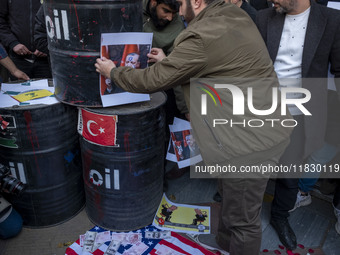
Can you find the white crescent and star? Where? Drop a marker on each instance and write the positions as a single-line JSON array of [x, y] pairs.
[[88, 127], [101, 130]]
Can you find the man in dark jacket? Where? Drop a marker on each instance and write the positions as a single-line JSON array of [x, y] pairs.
[[40, 33], [303, 40], [161, 18], [244, 5], [221, 40], [10, 66], [17, 19]]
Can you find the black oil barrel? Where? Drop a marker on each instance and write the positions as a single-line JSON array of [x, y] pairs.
[[40, 145], [124, 183], [74, 31]]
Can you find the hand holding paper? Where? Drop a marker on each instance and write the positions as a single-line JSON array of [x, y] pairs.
[[156, 55], [104, 66]]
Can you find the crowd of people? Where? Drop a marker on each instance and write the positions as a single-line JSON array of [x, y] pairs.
[[288, 43]]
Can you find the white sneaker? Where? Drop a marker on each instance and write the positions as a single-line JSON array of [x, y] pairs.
[[337, 224], [302, 200]]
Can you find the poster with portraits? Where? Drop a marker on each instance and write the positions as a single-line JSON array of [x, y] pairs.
[[185, 218], [182, 148], [124, 49]]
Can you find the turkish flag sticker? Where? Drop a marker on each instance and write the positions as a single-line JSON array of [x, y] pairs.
[[98, 128]]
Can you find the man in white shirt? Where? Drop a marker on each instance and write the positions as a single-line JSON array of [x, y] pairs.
[[302, 38]]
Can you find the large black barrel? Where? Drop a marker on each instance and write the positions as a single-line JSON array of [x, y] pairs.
[[124, 184], [40, 145], [74, 33]]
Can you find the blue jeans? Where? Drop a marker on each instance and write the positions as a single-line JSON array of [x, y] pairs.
[[321, 157]]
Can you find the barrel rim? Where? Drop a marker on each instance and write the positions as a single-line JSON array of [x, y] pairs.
[[114, 110], [32, 106]]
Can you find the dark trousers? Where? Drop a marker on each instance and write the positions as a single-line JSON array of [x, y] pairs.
[[171, 111], [40, 68], [286, 189], [336, 198], [239, 230]]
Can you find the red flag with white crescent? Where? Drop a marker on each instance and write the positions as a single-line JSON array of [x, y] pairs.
[[98, 128]]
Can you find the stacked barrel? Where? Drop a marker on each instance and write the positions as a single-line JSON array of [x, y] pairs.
[[122, 147], [119, 169], [41, 149]]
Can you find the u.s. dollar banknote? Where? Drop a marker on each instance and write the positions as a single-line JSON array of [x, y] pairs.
[[157, 235]]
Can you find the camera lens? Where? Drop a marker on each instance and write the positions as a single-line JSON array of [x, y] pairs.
[[12, 185]]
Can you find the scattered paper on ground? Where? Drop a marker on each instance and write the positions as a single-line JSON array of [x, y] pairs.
[[182, 218]]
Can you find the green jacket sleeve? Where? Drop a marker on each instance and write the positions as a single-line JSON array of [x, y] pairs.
[[180, 100], [186, 60]]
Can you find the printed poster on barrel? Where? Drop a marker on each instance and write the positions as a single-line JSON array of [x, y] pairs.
[[124, 49]]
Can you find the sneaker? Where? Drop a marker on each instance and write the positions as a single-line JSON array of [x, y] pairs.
[[337, 224], [337, 227], [208, 241], [302, 200]]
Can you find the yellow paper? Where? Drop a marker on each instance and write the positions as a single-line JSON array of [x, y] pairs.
[[34, 94], [194, 219]]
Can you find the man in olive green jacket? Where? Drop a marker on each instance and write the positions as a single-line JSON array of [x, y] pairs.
[[161, 18], [221, 41]]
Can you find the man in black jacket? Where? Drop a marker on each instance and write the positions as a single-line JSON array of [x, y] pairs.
[[303, 40], [40, 33], [17, 19]]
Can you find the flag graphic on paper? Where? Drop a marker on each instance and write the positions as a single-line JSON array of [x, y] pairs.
[[175, 244], [3, 124], [98, 128], [8, 131], [32, 94]]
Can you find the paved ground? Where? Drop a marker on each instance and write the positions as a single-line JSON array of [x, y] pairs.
[[314, 224]]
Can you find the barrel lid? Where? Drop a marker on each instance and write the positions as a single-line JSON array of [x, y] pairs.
[[27, 107], [156, 100], [38, 104]]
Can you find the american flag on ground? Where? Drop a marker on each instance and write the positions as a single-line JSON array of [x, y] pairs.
[[176, 245]]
